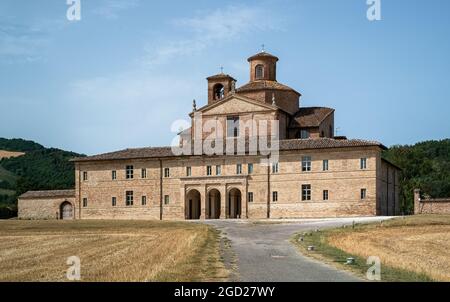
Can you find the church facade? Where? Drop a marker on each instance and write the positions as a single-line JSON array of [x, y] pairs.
[[314, 172]]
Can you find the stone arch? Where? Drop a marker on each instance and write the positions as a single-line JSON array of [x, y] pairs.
[[193, 205], [218, 92], [234, 204], [66, 211], [213, 204]]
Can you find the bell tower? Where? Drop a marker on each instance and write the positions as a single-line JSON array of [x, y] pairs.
[[219, 87], [263, 67]]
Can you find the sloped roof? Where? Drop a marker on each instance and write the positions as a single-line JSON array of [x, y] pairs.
[[220, 76], [285, 145], [265, 84], [263, 54], [310, 116], [48, 194]]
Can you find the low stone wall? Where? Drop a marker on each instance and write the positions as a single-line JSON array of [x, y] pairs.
[[430, 206]]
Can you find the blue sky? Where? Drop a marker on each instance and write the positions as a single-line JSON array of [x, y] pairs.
[[127, 70]]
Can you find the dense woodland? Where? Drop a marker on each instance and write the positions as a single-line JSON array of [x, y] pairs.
[[425, 166]]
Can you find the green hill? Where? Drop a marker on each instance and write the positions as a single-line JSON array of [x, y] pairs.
[[39, 169], [426, 166]]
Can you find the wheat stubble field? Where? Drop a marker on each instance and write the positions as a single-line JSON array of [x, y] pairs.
[[110, 251], [420, 244]]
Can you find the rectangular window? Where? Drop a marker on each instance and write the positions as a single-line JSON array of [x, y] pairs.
[[306, 192], [306, 163], [188, 171], [325, 194], [209, 170], [304, 134], [114, 175], [85, 176], [129, 198], [166, 199], [129, 172], [274, 168], [144, 200], [144, 173], [166, 172], [363, 163], [250, 168], [218, 170], [238, 169], [325, 165], [275, 196], [114, 201], [85, 202], [232, 126], [250, 196], [363, 193]]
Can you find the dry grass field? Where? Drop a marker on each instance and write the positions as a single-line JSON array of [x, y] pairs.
[[110, 251], [9, 154], [410, 248]]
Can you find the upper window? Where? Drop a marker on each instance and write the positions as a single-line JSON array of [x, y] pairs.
[[144, 200], [304, 134], [188, 171], [129, 172], [259, 72], [250, 196], [250, 168], [363, 193], [85, 176], [85, 202], [166, 172], [209, 170], [325, 165], [363, 163], [275, 196], [114, 175], [166, 199], [219, 91], [114, 201], [238, 169], [144, 173], [218, 170], [275, 168], [233, 126], [306, 163]]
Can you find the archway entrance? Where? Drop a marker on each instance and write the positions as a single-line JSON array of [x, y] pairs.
[[234, 204], [66, 211], [213, 205], [193, 205]]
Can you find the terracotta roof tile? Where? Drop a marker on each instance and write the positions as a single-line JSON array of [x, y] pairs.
[[310, 116], [48, 194], [264, 84], [263, 54], [285, 145]]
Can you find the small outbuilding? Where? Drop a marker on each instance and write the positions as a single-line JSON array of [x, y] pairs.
[[38, 205]]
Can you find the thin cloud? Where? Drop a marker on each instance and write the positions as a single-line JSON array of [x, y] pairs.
[[212, 28]]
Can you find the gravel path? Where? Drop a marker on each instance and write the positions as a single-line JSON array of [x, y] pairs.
[[263, 252]]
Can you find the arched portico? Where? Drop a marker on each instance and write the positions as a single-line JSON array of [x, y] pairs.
[[234, 204], [213, 204], [193, 205]]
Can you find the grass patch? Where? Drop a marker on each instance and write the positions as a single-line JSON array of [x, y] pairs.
[[402, 243], [110, 251]]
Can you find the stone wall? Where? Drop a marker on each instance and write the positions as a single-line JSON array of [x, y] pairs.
[[430, 205], [48, 208]]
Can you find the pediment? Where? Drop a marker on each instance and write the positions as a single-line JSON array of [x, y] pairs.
[[236, 105]]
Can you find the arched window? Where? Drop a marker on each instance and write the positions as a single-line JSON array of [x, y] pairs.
[[219, 92], [259, 71]]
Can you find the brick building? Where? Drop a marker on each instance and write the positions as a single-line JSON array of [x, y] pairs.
[[315, 174]]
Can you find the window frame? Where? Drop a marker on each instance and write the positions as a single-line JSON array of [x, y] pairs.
[[250, 168], [218, 170], [114, 201], [143, 173], [363, 163], [250, 196], [274, 196], [325, 195], [113, 175], [144, 200], [208, 170], [189, 171], [129, 198], [363, 194], [166, 199], [166, 172], [129, 172], [238, 169], [325, 165], [306, 192], [275, 168], [85, 202], [259, 72], [306, 163], [85, 176]]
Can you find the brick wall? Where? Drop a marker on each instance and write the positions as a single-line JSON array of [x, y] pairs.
[[430, 206]]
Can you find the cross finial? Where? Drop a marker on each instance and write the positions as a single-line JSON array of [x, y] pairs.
[[194, 105], [263, 48], [221, 69]]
